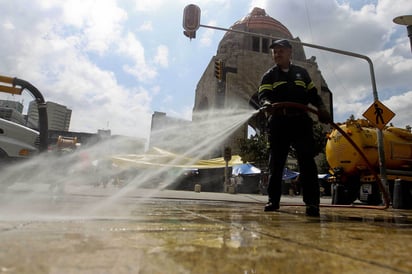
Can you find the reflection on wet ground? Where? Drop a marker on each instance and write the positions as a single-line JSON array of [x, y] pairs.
[[195, 235]]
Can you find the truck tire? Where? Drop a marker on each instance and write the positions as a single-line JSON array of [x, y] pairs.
[[343, 195], [374, 198]]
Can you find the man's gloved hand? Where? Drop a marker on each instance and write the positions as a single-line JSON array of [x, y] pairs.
[[324, 116], [266, 108], [266, 105]]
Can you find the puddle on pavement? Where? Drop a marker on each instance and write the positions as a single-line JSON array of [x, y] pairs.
[[386, 221]]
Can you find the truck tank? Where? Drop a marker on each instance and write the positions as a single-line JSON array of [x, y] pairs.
[[341, 154], [352, 177]]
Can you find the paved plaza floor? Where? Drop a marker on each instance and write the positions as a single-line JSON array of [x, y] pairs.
[[96, 230]]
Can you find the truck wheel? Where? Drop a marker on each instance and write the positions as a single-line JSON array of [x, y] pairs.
[[342, 195], [374, 198]]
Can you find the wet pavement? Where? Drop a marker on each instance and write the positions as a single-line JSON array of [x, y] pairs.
[[96, 230]]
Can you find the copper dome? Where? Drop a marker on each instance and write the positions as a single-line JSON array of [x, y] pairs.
[[258, 20]]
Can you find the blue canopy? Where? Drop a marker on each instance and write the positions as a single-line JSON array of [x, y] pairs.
[[245, 169], [289, 174], [323, 176], [248, 169]]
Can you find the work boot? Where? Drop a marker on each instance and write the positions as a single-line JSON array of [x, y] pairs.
[[312, 211], [271, 207]]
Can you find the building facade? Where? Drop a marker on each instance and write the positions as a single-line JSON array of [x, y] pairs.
[[12, 111], [58, 116]]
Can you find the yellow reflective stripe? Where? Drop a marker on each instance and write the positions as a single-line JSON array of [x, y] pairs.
[[265, 86], [300, 83], [276, 84], [311, 85]]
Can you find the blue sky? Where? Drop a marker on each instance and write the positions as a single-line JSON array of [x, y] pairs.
[[116, 62]]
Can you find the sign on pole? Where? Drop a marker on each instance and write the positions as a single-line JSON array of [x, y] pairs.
[[378, 114]]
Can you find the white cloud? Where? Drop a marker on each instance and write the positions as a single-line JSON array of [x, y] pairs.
[[401, 106], [8, 25], [99, 21], [48, 51], [155, 90], [132, 48], [148, 5], [208, 35], [162, 56], [146, 26]]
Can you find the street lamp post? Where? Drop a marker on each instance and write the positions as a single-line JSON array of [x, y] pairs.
[[405, 20]]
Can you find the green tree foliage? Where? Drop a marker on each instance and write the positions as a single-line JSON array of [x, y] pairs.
[[320, 143], [255, 150], [319, 135]]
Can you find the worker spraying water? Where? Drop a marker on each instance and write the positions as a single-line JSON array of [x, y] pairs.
[[289, 126], [284, 93]]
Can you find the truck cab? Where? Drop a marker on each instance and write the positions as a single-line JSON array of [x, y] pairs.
[[17, 142]]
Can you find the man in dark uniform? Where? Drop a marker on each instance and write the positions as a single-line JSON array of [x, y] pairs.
[[288, 126]]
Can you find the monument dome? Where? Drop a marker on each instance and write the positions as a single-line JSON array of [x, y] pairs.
[[259, 20], [258, 25]]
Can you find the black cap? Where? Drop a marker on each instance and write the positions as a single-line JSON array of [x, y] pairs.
[[281, 43]]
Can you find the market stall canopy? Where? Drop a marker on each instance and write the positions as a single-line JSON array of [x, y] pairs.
[[323, 176], [289, 174], [157, 157], [245, 169]]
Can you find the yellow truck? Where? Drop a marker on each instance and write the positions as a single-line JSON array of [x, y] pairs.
[[352, 175]]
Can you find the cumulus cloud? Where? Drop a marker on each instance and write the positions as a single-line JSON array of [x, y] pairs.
[[133, 49], [148, 5], [162, 56], [99, 23], [401, 105], [146, 26], [48, 45], [207, 35]]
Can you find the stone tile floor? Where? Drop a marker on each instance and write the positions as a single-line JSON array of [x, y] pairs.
[[105, 231]]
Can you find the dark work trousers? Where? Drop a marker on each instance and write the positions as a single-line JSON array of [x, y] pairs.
[[296, 131]]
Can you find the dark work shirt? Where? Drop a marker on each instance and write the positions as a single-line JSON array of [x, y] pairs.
[[294, 85]]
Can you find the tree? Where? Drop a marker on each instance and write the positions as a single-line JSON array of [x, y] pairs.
[[255, 150], [319, 135]]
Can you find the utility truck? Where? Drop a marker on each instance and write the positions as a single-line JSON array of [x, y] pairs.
[[353, 169], [18, 141]]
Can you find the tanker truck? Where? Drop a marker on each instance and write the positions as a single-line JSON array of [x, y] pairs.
[[353, 177]]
